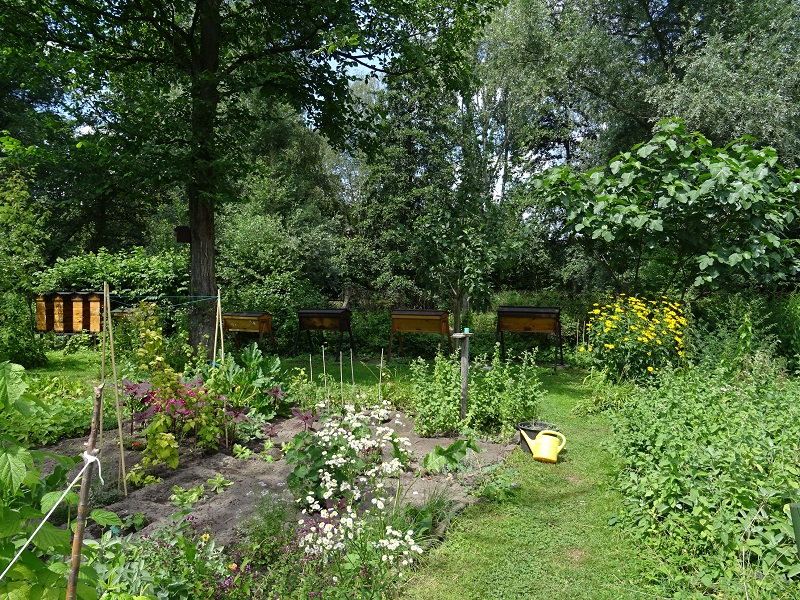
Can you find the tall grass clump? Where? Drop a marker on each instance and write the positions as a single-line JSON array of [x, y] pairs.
[[710, 464]]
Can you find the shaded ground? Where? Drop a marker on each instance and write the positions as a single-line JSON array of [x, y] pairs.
[[254, 477]]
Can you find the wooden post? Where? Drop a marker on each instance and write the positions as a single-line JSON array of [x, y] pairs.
[[464, 337], [83, 498]]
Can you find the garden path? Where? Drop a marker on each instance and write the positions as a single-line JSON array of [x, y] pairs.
[[553, 539]]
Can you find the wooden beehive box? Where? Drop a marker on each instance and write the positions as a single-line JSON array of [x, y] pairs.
[[69, 312]]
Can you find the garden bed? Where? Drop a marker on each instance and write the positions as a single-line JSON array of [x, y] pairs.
[[254, 477]]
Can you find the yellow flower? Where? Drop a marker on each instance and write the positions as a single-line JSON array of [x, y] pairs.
[[650, 369], [233, 566], [609, 346], [205, 537]]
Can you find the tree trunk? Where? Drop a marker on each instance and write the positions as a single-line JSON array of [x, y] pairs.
[[201, 189]]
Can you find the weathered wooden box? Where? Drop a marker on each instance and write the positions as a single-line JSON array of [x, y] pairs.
[[69, 312]]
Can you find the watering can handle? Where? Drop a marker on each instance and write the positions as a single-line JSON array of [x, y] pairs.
[[558, 434]]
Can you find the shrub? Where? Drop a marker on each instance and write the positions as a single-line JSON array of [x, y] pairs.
[[710, 464], [632, 337], [499, 397], [131, 272], [18, 341]]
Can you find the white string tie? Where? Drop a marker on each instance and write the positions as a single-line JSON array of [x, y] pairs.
[[91, 458], [87, 460]]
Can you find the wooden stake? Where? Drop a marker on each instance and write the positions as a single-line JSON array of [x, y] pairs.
[[310, 369], [83, 498], [109, 330], [221, 332], [325, 377], [380, 379], [352, 373], [464, 337], [341, 378]]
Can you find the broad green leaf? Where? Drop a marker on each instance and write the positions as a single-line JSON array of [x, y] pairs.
[[647, 150], [49, 499], [11, 522], [105, 518], [14, 461], [50, 536], [11, 385]]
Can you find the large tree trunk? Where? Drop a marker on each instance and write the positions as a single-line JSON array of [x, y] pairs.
[[201, 189]]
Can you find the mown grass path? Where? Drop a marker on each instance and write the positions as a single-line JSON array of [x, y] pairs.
[[553, 539]]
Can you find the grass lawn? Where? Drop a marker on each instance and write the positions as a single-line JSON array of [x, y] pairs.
[[82, 365], [552, 540]]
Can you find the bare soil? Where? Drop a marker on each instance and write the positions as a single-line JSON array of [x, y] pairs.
[[254, 477]]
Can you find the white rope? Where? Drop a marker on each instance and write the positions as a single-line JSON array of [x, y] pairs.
[[88, 460]]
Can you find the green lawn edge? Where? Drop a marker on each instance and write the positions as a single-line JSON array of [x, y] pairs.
[[553, 539]]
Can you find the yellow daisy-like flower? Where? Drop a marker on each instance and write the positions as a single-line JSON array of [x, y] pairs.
[[233, 566], [205, 537], [650, 369]]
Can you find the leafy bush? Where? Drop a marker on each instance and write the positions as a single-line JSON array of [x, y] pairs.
[[710, 464], [631, 337], [64, 410], [131, 273], [499, 397], [437, 395], [18, 341]]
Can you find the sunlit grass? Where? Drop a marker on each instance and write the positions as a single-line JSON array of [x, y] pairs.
[[83, 365], [553, 539]]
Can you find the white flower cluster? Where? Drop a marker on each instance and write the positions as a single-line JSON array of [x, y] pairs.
[[328, 535], [397, 547], [354, 456]]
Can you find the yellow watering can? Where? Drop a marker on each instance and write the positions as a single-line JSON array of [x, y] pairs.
[[546, 446]]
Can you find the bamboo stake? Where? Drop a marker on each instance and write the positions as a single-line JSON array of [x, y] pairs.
[[216, 335], [221, 331], [341, 377], [109, 330], [325, 377], [310, 368], [380, 380], [83, 498], [352, 373]]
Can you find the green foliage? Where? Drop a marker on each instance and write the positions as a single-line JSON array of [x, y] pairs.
[[344, 459], [187, 498], [497, 484], [265, 265], [241, 452], [703, 213], [250, 381], [18, 341], [133, 272], [218, 483], [22, 238], [710, 466], [26, 494], [63, 410], [437, 395], [440, 459], [499, 396], [784, 315], [184, 562], [634, 337]]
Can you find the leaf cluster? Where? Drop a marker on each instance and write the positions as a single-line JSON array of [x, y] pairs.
[[709, 469]]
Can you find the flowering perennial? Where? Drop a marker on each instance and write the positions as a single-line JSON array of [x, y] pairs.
[[339, 479], [631, 337]]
